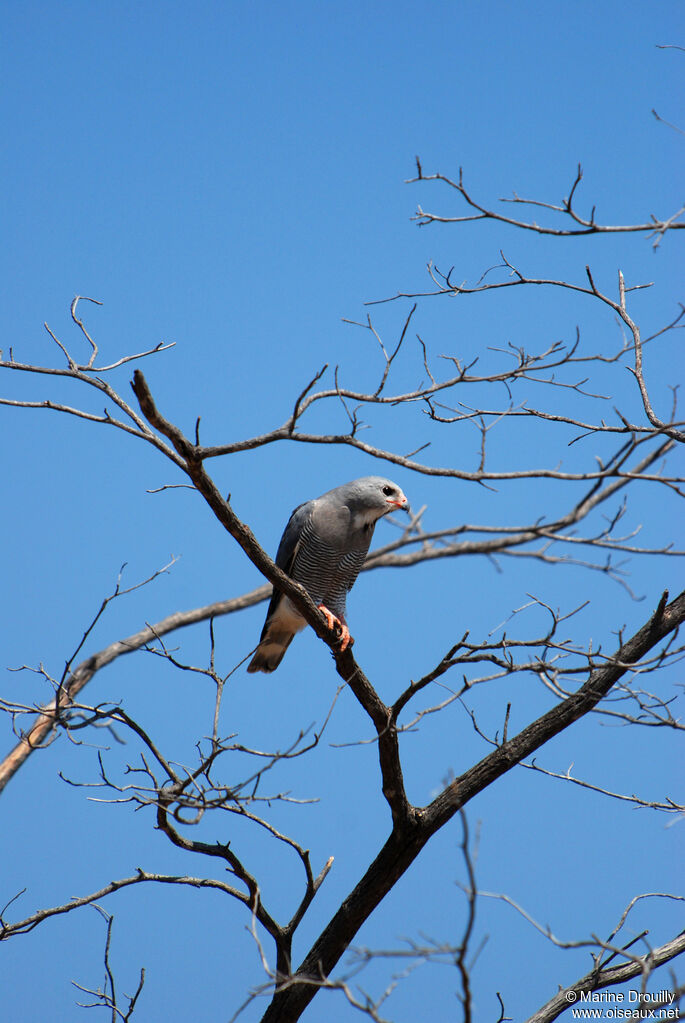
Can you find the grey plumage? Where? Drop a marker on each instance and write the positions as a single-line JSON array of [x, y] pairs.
[[323, 547]]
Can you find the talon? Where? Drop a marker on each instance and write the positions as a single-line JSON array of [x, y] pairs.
[[336, 625], [331, 620], [345, 638]]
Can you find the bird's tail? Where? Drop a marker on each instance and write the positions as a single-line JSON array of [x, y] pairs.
[[270, 651]]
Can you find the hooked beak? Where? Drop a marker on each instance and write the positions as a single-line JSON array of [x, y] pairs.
[[402, 504]]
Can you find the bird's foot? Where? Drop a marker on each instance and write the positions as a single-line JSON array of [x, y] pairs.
[[336, 625]]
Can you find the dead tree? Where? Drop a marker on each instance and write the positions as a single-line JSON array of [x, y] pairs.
[[613, 450]]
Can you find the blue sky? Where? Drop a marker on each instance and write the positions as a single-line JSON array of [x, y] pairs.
[[231, 177]]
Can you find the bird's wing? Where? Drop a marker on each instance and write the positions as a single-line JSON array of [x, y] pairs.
[[292, 536], [287, 550]]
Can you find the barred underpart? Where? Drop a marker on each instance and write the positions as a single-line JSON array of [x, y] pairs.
[[327, 571]]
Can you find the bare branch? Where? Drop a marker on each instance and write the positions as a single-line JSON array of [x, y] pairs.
[[73, 682], [8, 930], [583, 225], [107, 997], [609, 976], [669, 806]]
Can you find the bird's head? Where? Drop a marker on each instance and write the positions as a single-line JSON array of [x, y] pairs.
[[371, 497]]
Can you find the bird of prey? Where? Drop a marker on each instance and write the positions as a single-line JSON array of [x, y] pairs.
[[323, 548]]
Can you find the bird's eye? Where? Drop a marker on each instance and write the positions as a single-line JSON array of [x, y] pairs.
[[388, 491]]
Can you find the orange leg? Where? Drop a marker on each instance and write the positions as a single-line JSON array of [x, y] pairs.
[[334, 623]]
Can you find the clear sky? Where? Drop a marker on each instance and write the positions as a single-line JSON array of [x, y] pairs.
[[231, 177]]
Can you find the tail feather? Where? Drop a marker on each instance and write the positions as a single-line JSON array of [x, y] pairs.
[[271, 650]]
